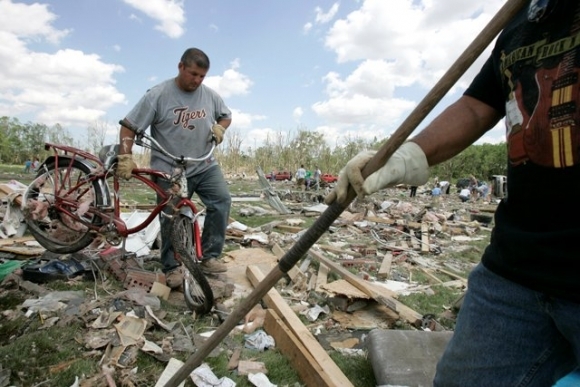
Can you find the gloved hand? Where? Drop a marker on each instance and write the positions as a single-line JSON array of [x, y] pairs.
[[408, 165], [125, 165], [218, 132]]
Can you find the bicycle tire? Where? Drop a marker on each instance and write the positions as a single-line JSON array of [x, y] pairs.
[[55, 231], [197, 290]]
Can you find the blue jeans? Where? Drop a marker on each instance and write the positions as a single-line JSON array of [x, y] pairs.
[[509, 335], [212, 189]]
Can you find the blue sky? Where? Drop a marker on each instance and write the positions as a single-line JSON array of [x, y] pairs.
[[347, 69]]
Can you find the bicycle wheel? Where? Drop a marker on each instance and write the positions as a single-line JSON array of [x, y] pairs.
[[65, 186], [196, 289]]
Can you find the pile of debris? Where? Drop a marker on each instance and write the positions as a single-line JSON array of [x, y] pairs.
[[370, 248]]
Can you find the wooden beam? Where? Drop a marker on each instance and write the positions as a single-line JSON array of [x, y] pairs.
[[385, 269], [425, 238], [328, 369], [310, 372], [322, 276]]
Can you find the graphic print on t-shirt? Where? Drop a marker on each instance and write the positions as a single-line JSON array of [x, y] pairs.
[[184, 115], [542, 111]]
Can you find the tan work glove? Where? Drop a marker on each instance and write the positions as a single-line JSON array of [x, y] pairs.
[[218, 132], [125, 166], [408, 165]]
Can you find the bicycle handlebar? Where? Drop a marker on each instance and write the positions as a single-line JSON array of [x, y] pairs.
[[141, 134]]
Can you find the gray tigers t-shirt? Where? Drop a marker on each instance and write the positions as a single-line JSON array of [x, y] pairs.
[[180, 121]]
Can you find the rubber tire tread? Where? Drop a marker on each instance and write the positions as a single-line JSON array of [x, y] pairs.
[[81, 243], [187, 259]]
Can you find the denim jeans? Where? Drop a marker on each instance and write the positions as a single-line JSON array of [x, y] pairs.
[[213, 192], [509, 335]]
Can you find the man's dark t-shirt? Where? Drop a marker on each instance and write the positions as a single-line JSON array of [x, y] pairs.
[[532, 77]]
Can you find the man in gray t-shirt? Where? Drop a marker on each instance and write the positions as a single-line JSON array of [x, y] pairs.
[[183, 114]]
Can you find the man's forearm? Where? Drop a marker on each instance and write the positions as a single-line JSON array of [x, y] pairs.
[[126, 139], [225, 122], [457, 127]]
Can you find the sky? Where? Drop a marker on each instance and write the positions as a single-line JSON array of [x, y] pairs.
[[347, 69]]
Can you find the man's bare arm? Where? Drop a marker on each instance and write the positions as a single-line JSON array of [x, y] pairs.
[[126, 139], [457, 127]]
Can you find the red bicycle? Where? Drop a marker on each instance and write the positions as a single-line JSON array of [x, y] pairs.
[[70, 203]]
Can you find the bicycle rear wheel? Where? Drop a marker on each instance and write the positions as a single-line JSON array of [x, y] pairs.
[[197, 291], [63, 186]]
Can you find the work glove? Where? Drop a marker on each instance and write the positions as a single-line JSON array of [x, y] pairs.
[[218, 132], [125, 165], [408, 165]]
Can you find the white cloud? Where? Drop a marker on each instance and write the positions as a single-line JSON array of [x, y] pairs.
[[67, 87], [169, 14], [396, 46], [231, 82], [29, 22], [322, 17], [297, 114]]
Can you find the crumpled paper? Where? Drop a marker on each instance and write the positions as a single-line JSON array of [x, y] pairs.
[[259, 340], [203, 376], [260, 380]]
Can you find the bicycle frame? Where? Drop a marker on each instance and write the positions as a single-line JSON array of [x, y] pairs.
[[109, 212]]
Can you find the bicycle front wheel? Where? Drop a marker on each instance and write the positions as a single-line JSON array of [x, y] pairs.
[[58, 188], [196, 289]]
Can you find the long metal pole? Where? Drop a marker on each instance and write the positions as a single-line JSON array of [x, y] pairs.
[[301, 247]]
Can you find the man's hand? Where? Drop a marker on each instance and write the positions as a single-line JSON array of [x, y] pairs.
[[125, 166], [408, 165], [218, 132]]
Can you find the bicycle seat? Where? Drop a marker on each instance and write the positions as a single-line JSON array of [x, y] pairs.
[[108, 155]]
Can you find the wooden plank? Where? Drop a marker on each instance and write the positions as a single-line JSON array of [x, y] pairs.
[[312, 282], [425, 238], [430, 275], [376, 219], [273, 299], [340, 251], [11, 241], [235, 359], [453, 275], [310, 372], [379, 293], [8, 190], [285, 227], [385, 268], [322, 276]]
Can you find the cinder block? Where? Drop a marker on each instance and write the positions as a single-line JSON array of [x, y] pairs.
[[404, 357]]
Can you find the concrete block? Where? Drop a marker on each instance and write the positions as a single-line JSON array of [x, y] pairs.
[[404, 357]]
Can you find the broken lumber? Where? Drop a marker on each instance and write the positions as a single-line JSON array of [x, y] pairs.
[[290, 346], [385, 269], [379, 293], [328, 370]]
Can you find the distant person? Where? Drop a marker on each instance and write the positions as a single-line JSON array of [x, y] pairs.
[[35, 164], [183, 115], [483, 191], [436, 191], [436, 194], [413, 191], [317, 174], [308, 179], [300, 177], [27, 165], [445, 187], [465, 194]]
